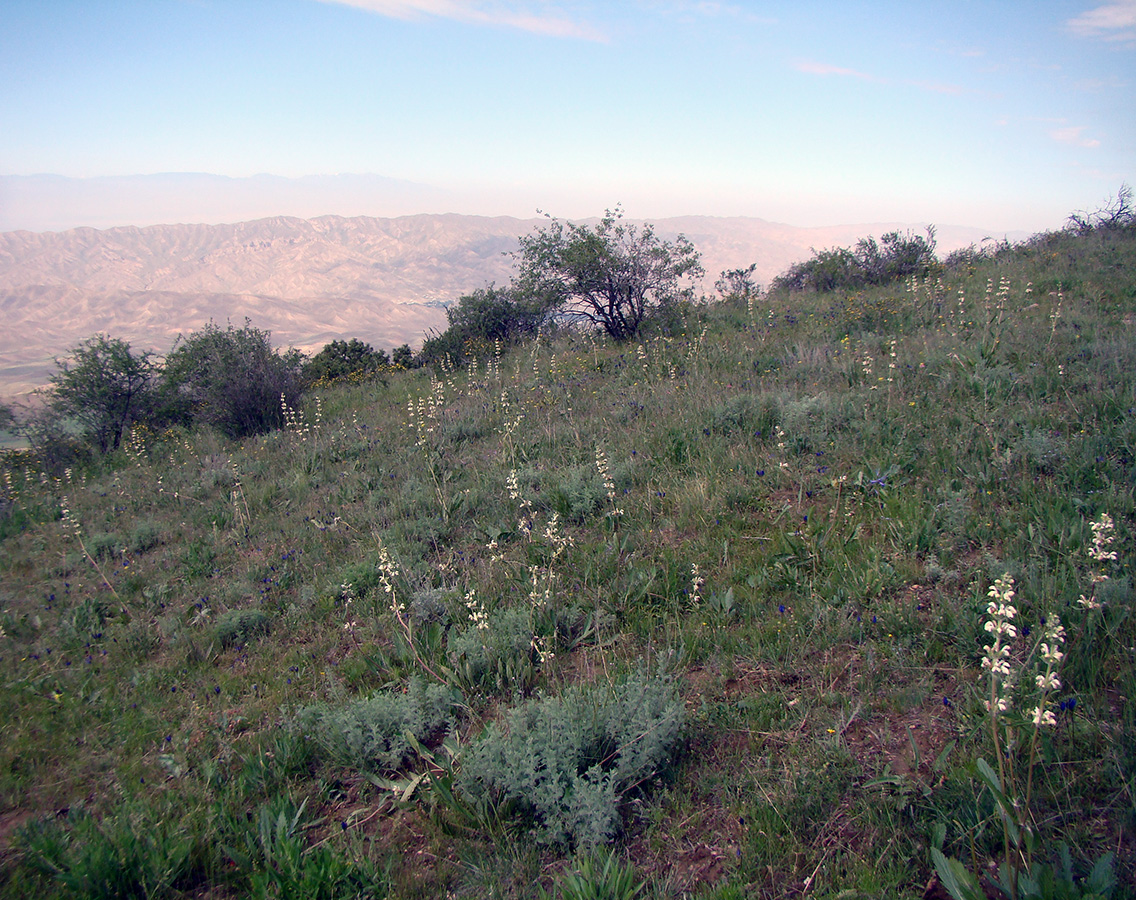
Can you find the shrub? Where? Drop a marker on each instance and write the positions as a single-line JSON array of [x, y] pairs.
[[498, 658], [54, 446], [569, 761], [372, 733], [486, 316], [895, 257], [145, 535], [738, 284], [231, 379], [402, 357], [345, 360]]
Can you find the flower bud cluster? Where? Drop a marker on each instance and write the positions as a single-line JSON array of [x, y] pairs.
[[388, 572], [608, 481], [476, 611], [697, 582], [1048, 682], [996, 659], [524, 521], [1100, 554]]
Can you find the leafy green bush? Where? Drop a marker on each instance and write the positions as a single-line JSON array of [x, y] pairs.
[[231, 379], [487, 315], [894, 258], [569, 761], [371, 733], [344, 361]]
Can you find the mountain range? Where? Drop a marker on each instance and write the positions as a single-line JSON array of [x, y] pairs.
[[386, 281]]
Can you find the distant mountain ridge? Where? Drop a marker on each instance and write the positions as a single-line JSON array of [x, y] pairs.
[[309, 281]]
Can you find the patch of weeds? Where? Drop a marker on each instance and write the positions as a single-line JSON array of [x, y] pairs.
[[135, 853], [273, 858], [103, 544], [601, 875], [744, 414], [198, 559]]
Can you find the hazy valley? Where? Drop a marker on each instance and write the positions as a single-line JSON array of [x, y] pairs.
[[386, 281]]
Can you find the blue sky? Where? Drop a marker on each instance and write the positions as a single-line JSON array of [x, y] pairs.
[[1007, 115]]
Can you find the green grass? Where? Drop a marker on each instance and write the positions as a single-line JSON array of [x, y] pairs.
[[230, 713]]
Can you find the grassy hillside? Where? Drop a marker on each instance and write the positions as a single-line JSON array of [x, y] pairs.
[[708, 610]]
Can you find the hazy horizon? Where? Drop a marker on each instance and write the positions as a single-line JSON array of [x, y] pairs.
[[54, 203]]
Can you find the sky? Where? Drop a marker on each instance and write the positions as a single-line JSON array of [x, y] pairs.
[[990, 113]]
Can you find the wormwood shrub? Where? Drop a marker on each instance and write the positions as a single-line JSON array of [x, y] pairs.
[[372, 733], [568, 762], [239, 626], [578, 493]]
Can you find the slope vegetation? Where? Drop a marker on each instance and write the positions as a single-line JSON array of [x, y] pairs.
[[705, 611]]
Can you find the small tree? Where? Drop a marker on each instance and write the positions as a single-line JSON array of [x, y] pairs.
[[612, 274], [738, 284], [103, 387], [233, 379]]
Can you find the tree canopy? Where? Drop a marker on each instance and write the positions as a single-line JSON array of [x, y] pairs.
[[611, 274], [103, 387]]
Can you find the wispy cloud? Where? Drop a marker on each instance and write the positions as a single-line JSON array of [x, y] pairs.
[[1074, 136], [537, 18], [810, 67], [1112, 21]]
